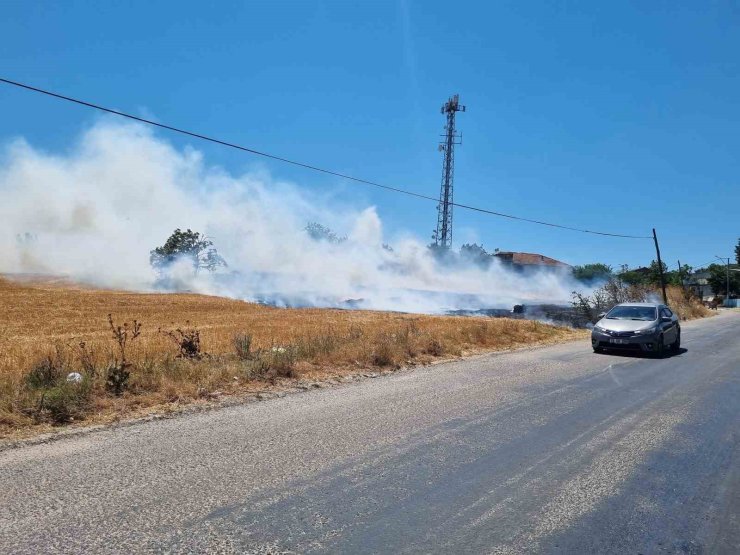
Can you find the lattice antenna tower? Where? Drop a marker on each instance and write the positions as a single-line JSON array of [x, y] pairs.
[[443, 234]]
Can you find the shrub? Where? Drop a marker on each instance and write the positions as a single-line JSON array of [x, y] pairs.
[[119, 371], [45, 373], [117, 377], [280, 361], [613, 292], [187, 341], [321, 345], [616, 291], [87, 360], [66, 401], [243, 346], [434, 347], [255, 368], [383, 353], [124, 334], [148, 376], [276, 362]]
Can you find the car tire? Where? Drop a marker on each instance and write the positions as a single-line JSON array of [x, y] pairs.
[[660, 348], [598, 350], [677, 343]]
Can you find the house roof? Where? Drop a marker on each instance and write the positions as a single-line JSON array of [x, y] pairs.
[[530, 259]]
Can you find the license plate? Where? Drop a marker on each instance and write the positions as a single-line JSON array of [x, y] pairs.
[[619, 341]]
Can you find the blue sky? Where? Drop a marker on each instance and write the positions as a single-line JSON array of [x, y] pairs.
[[618, 117]]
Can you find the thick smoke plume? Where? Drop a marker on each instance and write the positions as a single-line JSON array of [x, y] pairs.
[[95, 212]]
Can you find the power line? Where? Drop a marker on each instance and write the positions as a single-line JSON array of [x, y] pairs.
[[304, 165], [704, 265]]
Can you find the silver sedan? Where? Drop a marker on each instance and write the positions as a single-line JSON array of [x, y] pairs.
[[648, 327]]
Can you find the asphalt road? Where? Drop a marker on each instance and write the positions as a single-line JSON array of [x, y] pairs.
[[554, 450]]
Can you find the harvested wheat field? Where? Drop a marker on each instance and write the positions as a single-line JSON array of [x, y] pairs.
[[163, 351]]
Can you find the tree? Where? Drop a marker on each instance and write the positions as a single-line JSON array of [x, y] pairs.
[[717, 280], [318, 232], [25, 238], [737, 251], [611, 293], [677, 277], [638, 276], [589, 273], [189, 245], [476, 254], [442, 254], [653, 275]]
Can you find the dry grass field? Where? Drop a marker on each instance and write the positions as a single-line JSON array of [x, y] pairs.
[[50, 328]]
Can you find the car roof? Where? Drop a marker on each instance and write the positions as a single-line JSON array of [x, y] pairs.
[[653, 305]]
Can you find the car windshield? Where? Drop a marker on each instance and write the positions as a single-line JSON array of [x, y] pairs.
[[646, 313]]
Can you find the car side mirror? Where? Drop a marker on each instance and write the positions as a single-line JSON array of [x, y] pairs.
[[666, 319], [601, 315]]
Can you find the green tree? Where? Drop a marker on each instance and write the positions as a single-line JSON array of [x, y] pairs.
[[737, 251], [319, 232], [638, 276], [589, 273], [653, 274], [717, 280], [677, 277], [475, 254], [189, 245], [443, 255]]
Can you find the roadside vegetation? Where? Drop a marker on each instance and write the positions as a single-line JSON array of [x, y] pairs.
[[645, 277], [70, 354], [645, 281], [614, 291], [635, 285]]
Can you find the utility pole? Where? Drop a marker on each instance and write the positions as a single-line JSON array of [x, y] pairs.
[[728, 275], [660, 267], [443, 234]]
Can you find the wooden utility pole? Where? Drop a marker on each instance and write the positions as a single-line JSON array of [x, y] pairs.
[[660, 267], [727, 294]]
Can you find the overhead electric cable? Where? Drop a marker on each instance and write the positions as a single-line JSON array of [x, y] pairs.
[[304, 165], [704, 265]]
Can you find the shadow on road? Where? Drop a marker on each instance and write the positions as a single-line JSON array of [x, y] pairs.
[[641, 354]]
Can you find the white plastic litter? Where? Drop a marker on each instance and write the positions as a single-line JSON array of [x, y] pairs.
[[74, 377]]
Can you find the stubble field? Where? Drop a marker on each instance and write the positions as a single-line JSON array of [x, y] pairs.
[[50, 328]]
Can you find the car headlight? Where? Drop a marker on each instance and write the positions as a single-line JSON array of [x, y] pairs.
[[600, 329], [647, 331]]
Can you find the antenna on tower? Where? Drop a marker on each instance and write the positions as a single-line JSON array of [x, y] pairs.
[[443, 234]]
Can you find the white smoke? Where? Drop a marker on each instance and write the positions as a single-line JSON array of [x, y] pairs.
[[95, 212]]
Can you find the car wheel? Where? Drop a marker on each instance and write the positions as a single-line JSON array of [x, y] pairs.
[[677, 343], [660, 348], [598, 350]]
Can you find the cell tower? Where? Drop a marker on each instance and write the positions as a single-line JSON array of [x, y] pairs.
[[443, 235]]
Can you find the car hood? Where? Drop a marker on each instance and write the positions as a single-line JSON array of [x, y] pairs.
[[624, 325]]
